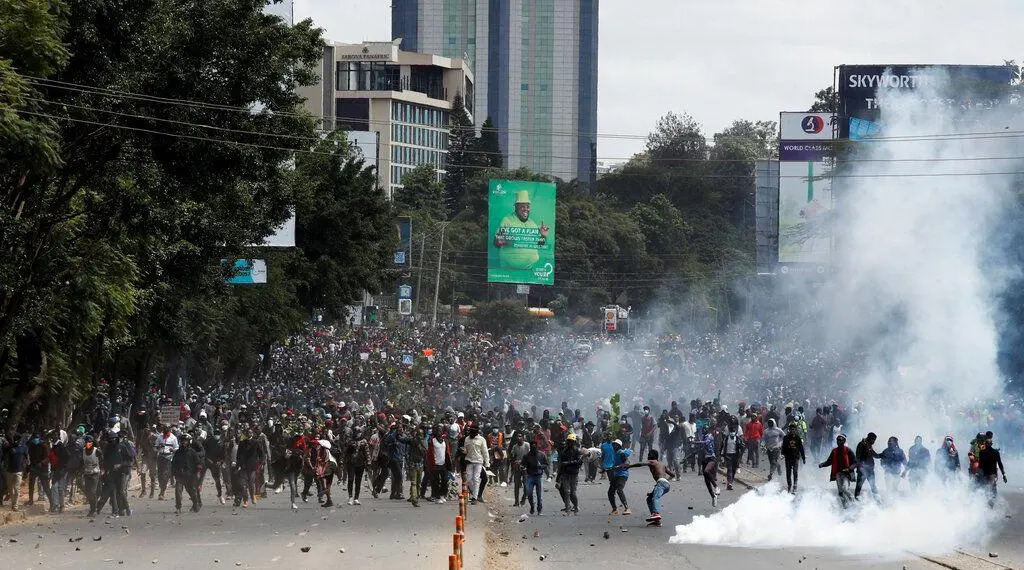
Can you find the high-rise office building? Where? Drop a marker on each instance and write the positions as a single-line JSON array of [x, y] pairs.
[[403, 98], [536, 67]]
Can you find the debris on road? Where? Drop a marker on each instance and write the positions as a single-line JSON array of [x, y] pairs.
[[305, 548]]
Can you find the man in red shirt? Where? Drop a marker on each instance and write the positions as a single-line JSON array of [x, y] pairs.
[[842, 461], [752, 434]]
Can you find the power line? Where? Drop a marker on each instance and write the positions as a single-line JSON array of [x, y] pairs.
[[476, 167], [89, 89]]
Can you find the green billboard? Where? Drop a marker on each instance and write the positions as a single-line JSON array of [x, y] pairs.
[[521, 232]]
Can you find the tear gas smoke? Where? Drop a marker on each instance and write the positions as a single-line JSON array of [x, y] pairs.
[[918, 268], [920, 523]]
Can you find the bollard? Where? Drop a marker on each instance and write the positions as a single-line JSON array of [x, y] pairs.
[[458, 523], [453, 562]]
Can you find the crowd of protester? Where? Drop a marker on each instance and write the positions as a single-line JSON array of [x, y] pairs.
[[411, 411]]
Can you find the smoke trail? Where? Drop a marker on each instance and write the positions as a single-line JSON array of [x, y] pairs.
[[919, 268]]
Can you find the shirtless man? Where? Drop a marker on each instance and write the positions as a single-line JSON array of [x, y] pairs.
[[661, 474]]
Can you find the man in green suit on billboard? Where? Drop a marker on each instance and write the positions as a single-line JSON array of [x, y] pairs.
[[518, 237]]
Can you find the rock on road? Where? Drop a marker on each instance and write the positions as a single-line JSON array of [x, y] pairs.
[[379, 534]]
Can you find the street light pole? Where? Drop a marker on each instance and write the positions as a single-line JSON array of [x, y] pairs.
[[437, 280]]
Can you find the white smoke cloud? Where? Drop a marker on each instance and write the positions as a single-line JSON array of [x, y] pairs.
[[936, 520], [917, 277]]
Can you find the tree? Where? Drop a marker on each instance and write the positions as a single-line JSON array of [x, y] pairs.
[[825, 101], [118, 203], [488, 149], [421, 195], [753, 140], [501, 317], [461, 162], [343, 229], [677, 139]]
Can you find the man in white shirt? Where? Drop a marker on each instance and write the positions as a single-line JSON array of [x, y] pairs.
[[166, 445], [477, 459], [689, 441]]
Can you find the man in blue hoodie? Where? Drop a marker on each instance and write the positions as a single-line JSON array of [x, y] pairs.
[[617, 478]]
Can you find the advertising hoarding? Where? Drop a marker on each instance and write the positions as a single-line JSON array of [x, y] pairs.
[[805, 191], [249, 272], [965, 86], [403, 253], [521, 232]]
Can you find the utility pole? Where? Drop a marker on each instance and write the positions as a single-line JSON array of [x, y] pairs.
[[419, 278], [437, 280]]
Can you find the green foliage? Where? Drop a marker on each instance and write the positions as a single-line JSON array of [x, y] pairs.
[[616, 414], [421, 195], [119, 207], [825, 101], [462, 162], [487, 147], [502, 317], [344, 229]]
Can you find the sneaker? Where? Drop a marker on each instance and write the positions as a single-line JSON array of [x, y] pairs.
[[472, 500], [296, 507], [540, 514], [614, 512], [328, 504], [277, 491], [357, 502], [627, 512], [221, 499], [654, 523], [481, 500], [440, 501], [245, 504], [503, 484], [728, 487], [350, 501], [717, 491], [714, 501], [654, 517]]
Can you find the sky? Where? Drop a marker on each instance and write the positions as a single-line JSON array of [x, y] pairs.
[[722, 60]]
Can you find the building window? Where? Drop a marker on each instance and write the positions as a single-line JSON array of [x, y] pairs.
[[525, 87]]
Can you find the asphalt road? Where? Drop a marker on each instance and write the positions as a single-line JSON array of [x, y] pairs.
[[379, 534], [563, 540], [393, 534]]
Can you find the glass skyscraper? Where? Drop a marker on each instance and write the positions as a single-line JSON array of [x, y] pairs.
[[535, 62]]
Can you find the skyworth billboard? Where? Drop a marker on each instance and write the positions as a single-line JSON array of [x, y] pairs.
[[966, 86]]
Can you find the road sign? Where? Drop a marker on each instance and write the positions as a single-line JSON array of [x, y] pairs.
[[405, 291], [522, 289], [405, 306]]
